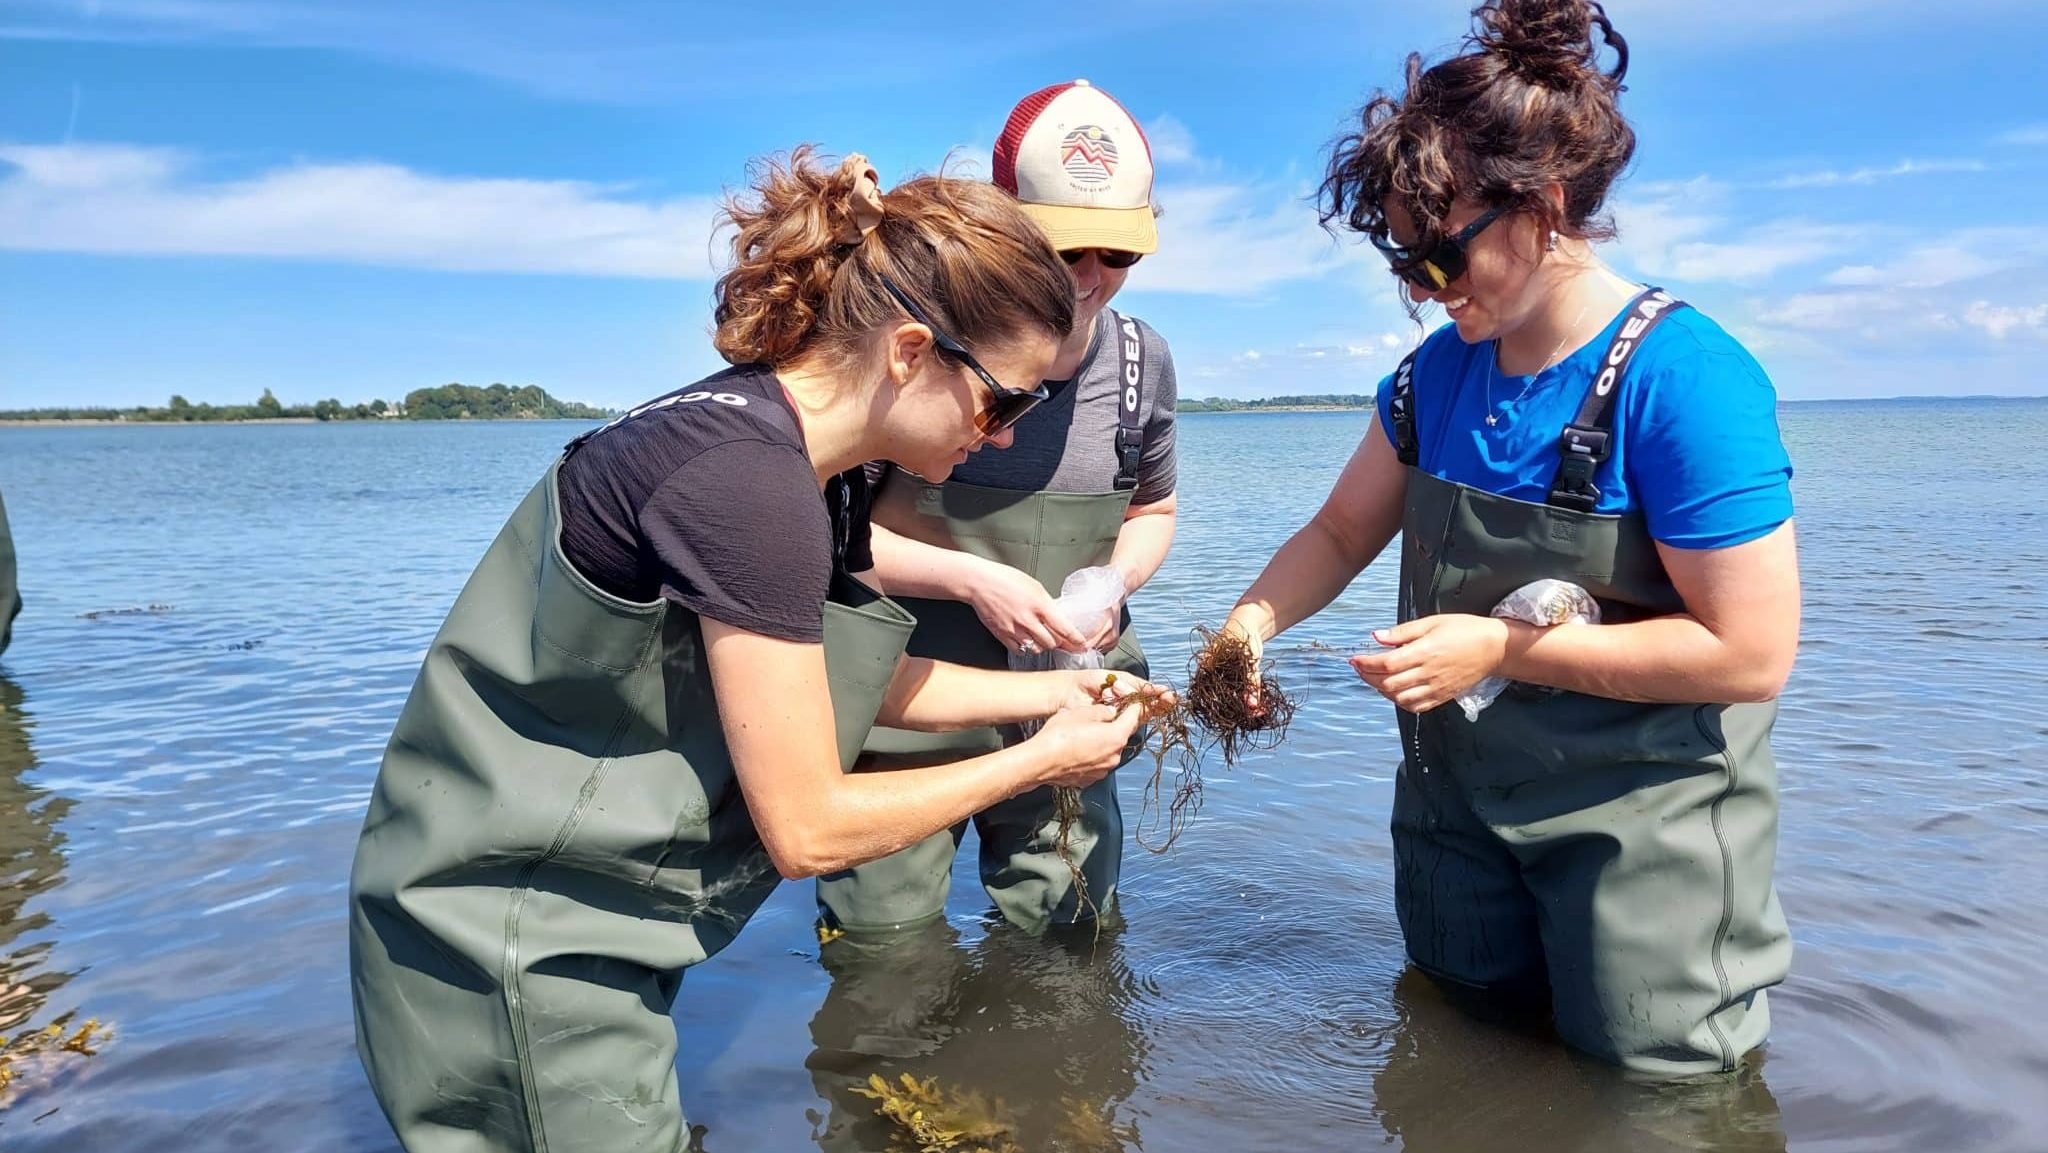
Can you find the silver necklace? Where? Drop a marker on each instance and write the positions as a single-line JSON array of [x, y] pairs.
[[1493, 366]]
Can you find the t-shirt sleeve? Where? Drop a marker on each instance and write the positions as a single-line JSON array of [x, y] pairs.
[[1705, 461], [739, 535], [1383, 403], [1158, 468]]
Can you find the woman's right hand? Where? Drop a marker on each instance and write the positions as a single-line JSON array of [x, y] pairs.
[[1250, 632], [1081, 744], [1015, 608]]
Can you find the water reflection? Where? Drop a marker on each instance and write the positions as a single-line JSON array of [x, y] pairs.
[[1458, 1078], [31, 863], [1038, 1028]]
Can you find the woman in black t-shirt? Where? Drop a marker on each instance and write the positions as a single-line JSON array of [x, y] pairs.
[[640, 710]]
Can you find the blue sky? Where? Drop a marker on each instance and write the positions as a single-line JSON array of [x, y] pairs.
[[358, 198]]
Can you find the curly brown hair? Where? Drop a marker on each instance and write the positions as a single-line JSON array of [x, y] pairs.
[[960, 248], [1525, 106]]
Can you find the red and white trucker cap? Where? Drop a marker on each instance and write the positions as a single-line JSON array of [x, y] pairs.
[[1079, 166]]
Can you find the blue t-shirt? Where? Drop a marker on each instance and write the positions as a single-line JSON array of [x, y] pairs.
[[1696, 449]]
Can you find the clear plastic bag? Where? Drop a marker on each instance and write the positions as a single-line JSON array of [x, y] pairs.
[[1087, 599], [1544, 602]]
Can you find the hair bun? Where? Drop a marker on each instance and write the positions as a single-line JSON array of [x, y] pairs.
[[1550, 42]]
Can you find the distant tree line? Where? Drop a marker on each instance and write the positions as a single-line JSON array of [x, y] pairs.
[[1319, 400], [448, 402], [498, 402]]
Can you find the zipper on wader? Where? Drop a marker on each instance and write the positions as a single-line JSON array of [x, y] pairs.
[[1727, 887], [509, 975]]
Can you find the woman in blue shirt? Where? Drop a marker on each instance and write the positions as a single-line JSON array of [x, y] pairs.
[[1602, 836]]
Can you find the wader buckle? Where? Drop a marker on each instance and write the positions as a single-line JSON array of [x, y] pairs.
[[1128, 453], [1582, 450]]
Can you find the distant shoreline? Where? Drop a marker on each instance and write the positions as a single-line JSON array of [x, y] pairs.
[[102, 422]]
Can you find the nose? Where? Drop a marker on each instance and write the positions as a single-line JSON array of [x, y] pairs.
[[1417, 293], [1087, 271], [1003, 439]]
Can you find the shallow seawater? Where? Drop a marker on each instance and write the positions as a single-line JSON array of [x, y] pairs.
[[181, 787]]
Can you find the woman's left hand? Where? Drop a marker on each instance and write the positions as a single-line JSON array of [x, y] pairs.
[[1104, 638], [1084, 687], [1429, 661]]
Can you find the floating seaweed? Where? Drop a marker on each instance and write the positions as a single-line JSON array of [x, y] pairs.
[[151, 609], [929, 1119], [35, 1047]]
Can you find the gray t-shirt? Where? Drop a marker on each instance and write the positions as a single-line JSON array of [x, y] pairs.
[[1068, 443]]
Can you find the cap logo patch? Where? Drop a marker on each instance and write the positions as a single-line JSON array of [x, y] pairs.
[[1088, 155]]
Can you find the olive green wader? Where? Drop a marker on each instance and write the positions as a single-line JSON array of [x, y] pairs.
[[1048, 535], [1617, 854], [556, 834], [10, 596]]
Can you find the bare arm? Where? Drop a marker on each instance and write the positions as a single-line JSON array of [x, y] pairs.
[[936, 696], [777, 717], [1358, 518], [1145, 538], [1735, 642], [1141, 547]]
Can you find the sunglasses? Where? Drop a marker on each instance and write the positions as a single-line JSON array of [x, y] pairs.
[[1434, 268], [1110, 257], [1007, 406]]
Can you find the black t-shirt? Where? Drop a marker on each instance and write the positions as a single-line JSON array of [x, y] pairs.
[[707, 497]]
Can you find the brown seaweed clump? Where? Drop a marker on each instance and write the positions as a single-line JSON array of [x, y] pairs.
[[1232, 703], [928, 1119], [37, 1047]]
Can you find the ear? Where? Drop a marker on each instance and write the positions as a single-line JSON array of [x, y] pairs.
[[1554, 193], [907, 349]]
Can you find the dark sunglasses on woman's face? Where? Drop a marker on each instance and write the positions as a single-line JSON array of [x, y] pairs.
[[1434, 268], [1110, 257], [1006, 406]]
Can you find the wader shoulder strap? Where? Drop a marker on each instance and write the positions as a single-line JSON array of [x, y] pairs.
[[1130, 430], [1401, 406], [1589, 440]]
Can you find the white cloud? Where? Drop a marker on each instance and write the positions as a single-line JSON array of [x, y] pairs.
[[121, 200], [1232, 240], [2002, 322], [1687, 232], [2033, 134], [1216, 239], [1864, 176], [1171, 141]]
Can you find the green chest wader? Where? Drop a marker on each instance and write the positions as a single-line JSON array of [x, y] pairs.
[[1619, 854], [10, 596], [1047, 535], [555, 835]]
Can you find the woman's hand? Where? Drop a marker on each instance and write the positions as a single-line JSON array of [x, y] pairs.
[[1105, 637], [1254, 643], [1015, 608], [1083, 743], [1429, 661]]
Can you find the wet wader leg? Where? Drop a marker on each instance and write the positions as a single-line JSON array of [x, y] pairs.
[[1661, 923], [1022, 869], [1465, 914], [10, 595]]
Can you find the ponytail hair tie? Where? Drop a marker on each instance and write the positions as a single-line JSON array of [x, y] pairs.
[[859, 209]]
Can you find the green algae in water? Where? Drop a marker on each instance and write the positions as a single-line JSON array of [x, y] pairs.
[[38, 1051], [928, 1119]]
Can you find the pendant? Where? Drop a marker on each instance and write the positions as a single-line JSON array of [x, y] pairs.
[[1491, 420]]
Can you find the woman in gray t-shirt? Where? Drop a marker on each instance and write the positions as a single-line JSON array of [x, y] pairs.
[[980, 557]]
